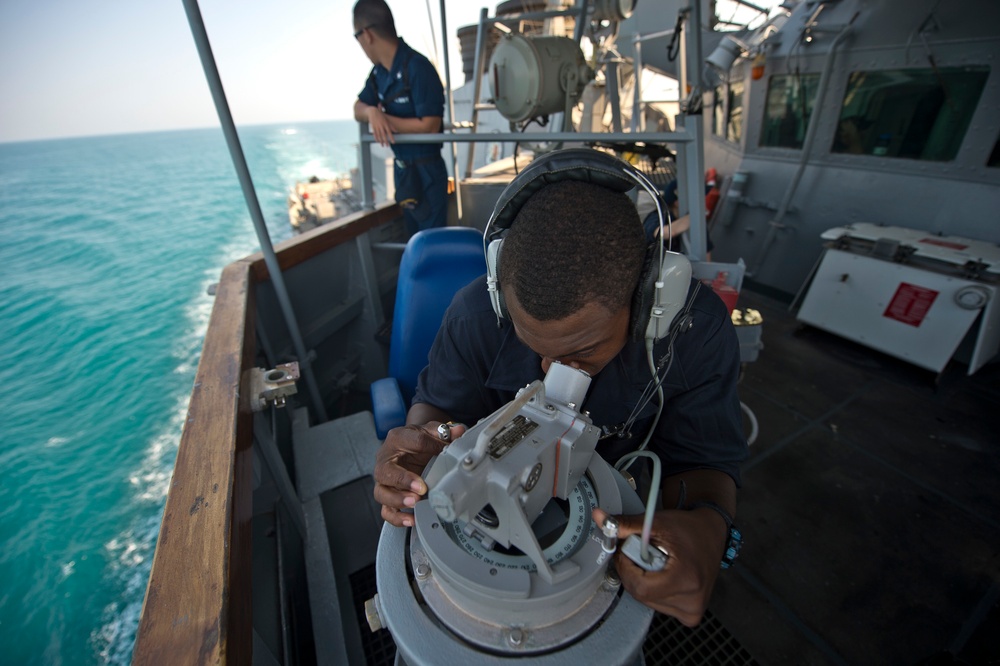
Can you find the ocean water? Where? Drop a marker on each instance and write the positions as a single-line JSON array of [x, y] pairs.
[[107, 248]]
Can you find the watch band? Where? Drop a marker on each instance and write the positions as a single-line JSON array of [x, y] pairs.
[[733, 545], [734, 540]]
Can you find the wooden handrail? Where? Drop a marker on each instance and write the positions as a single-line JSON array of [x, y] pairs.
[[303, 247], [197, 608]]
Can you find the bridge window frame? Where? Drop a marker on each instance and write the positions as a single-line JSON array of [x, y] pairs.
[[727, 110], [789, 105], [909, 113]]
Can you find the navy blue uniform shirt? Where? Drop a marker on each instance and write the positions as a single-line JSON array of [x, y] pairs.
[[475, 368], [416, 94]]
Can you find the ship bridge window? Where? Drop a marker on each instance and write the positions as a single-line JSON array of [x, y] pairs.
[[919, 114], [718, 110], [790, 100], [734, 114], [727, 111]]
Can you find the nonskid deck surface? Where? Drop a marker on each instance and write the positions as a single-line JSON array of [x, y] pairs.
[[869, 506]]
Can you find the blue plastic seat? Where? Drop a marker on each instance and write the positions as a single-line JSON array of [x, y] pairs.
[[435, 265]]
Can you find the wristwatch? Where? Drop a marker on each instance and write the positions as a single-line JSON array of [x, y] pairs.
[[735, 539], [733, 546]]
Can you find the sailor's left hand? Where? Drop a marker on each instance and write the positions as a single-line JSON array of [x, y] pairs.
[[694, 541], [380, 126], [402, 457]]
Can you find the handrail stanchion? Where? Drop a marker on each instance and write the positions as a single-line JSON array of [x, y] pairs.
[[697, 232], [637, 112], [581, 20], [365, 167], [451, 110], [477, 86], [246, 183]]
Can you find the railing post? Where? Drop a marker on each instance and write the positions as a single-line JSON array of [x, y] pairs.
[[477, 86], [450, 109], [365, 169]]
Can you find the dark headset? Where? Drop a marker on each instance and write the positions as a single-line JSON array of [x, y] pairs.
[[666, 276]]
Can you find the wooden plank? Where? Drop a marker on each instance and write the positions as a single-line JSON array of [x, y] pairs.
[[197, 608], [303, 247]]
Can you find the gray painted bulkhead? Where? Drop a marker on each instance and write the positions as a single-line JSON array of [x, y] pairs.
[[959, 197], [335, 298]]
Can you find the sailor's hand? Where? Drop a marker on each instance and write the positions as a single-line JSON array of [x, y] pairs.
[[380, 127], [694, 541], [404, 454]]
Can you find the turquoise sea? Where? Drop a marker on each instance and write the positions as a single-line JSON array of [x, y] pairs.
[[107, 248]]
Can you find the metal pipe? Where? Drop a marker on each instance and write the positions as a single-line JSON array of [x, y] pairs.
[[268, 449], [450, 108], [653, 35], [682, 80], [695, 60], [394, 247], [697, 233], [637, 124], [477, 86], [534, 16], [760, 9], [613, 82], [581, 20], [563, 120], [249, 194], [681, 160], [776, 222], [365, 168], [680, 136]]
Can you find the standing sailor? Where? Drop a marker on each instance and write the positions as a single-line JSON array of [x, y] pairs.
[[403, 94]]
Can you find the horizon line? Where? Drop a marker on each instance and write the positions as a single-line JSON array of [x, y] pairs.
[[218, 126]]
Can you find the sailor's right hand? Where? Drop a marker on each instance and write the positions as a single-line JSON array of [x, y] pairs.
[[404, 454], [379, 125]]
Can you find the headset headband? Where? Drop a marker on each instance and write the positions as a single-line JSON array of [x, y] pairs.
[[580, 164]]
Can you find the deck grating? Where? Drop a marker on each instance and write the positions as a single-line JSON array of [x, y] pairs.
[[380, 650], [708, 644]]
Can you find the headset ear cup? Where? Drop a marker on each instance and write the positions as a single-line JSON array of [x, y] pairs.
[[645, 291], [669, 299], [493, 278]]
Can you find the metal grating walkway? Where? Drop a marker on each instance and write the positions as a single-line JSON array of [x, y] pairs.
[[708, 644]]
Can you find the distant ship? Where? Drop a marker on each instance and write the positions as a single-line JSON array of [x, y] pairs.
[[320, 201]]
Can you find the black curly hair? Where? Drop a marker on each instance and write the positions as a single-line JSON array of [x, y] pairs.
[[572, 243]]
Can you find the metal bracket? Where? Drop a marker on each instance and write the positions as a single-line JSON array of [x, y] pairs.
[[272, 387], [632, 549]]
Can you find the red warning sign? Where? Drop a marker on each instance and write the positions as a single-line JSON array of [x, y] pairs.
[[942, 243], [910, 304]]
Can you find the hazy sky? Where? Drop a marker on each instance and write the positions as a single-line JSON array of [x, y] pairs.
[[84, 67]]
